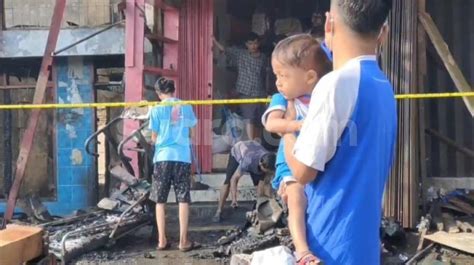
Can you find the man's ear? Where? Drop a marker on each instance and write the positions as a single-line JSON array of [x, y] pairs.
[[383, 34], [329, 30], [327, 23]]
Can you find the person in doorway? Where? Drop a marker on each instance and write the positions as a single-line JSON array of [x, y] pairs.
[[252, 66], [317, 26], [245, 157], [346, 145], [298, 62], [172, 129]]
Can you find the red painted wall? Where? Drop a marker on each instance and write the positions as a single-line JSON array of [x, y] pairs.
[[195, 69]]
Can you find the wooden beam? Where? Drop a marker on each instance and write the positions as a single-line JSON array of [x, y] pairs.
[[422, 84], [461, 241], [443, 51], [160, 38], [160, 71], [2, 15], [459, 147], [24, 86]]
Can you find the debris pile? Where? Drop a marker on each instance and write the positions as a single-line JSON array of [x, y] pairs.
[[265, 228], [448, 227], [116, 216], [69, 238]]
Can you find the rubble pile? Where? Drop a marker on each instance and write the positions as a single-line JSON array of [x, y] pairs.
[[123, 212], [69, 238], [447, 229], [265, 228]]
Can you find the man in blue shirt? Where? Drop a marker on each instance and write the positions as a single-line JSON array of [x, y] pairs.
[[346, 145]]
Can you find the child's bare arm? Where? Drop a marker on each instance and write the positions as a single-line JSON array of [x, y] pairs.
[[277, 123], [290, 113]]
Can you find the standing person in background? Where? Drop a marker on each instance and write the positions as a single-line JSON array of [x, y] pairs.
[[346, 145], [317, 26], [252, 66], [172, 130]]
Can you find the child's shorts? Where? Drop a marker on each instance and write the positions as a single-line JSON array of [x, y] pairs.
[[169, 173], [282, 175]]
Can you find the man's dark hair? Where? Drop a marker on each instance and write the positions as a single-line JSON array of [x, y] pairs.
[[268, 161], [365, 17], [252, 36]]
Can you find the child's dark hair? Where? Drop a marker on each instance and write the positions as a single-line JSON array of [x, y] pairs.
[[302, 51], [252, 36], [268, 160], [164, 86], [365, 17]]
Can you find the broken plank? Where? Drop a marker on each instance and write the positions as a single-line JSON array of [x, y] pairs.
[[110, 71], [450, 225], [466, 207], [459, 241], [420, 254], [438, 221], [464, 226], [19, 244], [451, 143], [421, 242], [443, 51], [452, 207]]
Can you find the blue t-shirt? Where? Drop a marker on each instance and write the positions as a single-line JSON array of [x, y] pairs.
[[348, 136], [279, 102], [172, 124]]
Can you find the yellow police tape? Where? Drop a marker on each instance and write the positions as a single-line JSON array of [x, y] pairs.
[[204, 102]]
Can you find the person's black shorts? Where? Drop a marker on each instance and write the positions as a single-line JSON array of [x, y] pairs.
[[169, 173], [232, 166], [252, 113]]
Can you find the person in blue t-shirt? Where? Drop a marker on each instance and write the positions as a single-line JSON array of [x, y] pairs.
[[298, 63], [345, 148], [172, 129]]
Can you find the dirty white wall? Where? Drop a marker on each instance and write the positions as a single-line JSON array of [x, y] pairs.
[[37, 13]]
